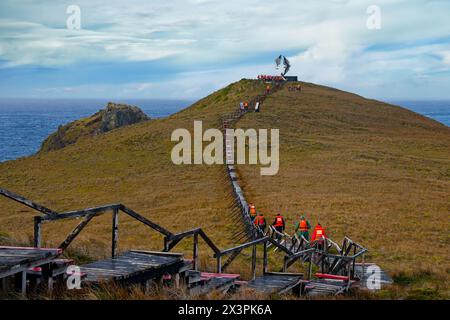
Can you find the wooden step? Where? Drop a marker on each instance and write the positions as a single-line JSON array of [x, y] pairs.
[[135, 267], [280, 283]]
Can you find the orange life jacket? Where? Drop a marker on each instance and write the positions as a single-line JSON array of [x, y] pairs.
[[303, 225], [278, 221], [259, 221], [319, 233]]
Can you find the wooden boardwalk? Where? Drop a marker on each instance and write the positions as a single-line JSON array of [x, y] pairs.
[[135, 267], [363, 272], [205, 282], [323, 287], [280, 283], [14, 260]]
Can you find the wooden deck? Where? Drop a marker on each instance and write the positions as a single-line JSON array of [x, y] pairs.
[[135, 267], [324, 287], [14, 260], [276, 282], [385, 279]]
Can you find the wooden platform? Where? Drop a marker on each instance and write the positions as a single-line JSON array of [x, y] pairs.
[[385, 279], [323, 287], [135, 267], [276, 282], [14, 260]]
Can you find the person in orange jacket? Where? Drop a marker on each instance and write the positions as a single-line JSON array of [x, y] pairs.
[[279, 224], [252, 211], [260, 222], [318, 233]]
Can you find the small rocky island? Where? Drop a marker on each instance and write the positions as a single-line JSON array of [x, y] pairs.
[[112, 117]]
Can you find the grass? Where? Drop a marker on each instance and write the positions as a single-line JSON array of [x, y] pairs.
[[375, 172]]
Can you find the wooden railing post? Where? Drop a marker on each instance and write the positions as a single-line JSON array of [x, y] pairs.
[[115, 232], [254, 262], [37, 231], [265, 262], [310, 266], [285, 263], [166, 244], [219, 263], [195, 252]]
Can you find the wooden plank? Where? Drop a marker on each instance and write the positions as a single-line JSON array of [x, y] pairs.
[[275, 283], [265, 259], [230, 259], [331, 276], [31, 204], [183, 235], [245, 245], [254, 262], [80, 213], [14, 260], [75, 232], [37, 232], [195, 252], [134, 266], [115, 232], [159, 253], [146, 221], [209, 242]]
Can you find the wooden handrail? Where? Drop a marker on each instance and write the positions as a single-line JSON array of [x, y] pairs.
[[81, 213], [243, 246], [31, 204]]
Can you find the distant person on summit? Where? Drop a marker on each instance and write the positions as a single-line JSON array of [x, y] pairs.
[[302, 228], [279, 224]]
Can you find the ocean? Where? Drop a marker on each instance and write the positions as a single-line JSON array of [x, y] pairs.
[[25, 123]]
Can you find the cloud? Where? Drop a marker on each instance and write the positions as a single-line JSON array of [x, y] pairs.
[[328, 41]]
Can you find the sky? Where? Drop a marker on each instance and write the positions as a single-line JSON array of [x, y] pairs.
[[186, 49]]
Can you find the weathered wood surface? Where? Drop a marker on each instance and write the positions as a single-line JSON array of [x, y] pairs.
[[134, 266], [27, 202], [385, 279], [213, 284], [204, 282], [275, 283], [323, 287], [17, 259]]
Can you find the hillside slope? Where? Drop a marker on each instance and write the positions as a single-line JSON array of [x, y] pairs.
[[131, 165], [373, 171]]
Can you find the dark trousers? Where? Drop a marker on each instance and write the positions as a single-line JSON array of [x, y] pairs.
[[280, 230]]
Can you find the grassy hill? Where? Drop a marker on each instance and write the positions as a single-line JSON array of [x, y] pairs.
[[373, 171], [131, 165]]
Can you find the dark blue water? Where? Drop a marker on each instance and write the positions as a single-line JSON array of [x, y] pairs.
[[437, 110], [25, 123]]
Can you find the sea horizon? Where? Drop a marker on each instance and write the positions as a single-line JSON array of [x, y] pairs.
[[26, 122]]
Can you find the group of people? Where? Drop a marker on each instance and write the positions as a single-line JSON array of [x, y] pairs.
[[244, 106], [270, 78], [295, 88], [302, 227]]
